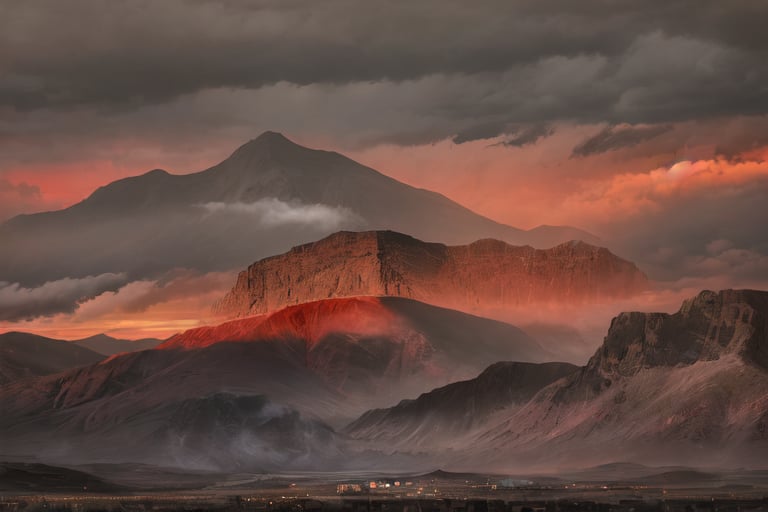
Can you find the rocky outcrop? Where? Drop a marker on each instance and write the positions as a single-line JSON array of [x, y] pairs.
[[484, 274], [708, 327]]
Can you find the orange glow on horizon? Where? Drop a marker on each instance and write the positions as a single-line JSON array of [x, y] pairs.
[[135, 311]]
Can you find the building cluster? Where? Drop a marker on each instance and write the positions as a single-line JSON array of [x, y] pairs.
[[376, 487]]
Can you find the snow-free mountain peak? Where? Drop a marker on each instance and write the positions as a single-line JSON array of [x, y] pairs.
[[269, 195]]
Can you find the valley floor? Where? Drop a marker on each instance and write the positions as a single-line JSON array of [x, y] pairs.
[[617, 487]]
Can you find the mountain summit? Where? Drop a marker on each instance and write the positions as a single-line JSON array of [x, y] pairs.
[[268, 196]]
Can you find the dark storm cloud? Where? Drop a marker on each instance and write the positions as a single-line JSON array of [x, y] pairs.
[[517, 136], [479, 132], [612, 138], [527, 136], [61, 296], [699, 235], [652, 62]]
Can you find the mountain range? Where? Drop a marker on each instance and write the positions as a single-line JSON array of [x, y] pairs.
[[268, 196], [109, 346], [429, 421], [28, 355], [262, 393], [290, 389], [662, 388], [362, 348], [484, 275]]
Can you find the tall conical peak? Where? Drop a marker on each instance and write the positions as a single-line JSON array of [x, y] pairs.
[[271, 137], [268, 143]]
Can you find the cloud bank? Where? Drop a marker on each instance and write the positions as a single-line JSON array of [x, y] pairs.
[[62, 296], [612, 138], [271, 212]]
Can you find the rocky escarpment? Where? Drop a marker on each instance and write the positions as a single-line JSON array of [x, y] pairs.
[[708, 327], [484, 274]]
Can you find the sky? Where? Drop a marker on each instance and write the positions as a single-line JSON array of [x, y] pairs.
[[633, 120]]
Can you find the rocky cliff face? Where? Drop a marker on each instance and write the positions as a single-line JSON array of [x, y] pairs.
[[708, 327], [484, 274]]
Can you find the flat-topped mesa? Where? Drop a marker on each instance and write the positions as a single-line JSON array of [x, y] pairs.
[[485, 274], [707, 327]]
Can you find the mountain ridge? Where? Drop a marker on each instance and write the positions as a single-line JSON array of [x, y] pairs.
[[165, 218], [485, 274], [26, 355], [307, 370], [690, 386], [460, 406], [109, 346]]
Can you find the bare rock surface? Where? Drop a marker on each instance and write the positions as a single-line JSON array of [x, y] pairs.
[[485, 274]]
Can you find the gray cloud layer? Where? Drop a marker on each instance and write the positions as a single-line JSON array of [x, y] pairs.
[[486, 65], [616, 137], [704, 235], [527, 136], [61, 296], [271, 212]]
